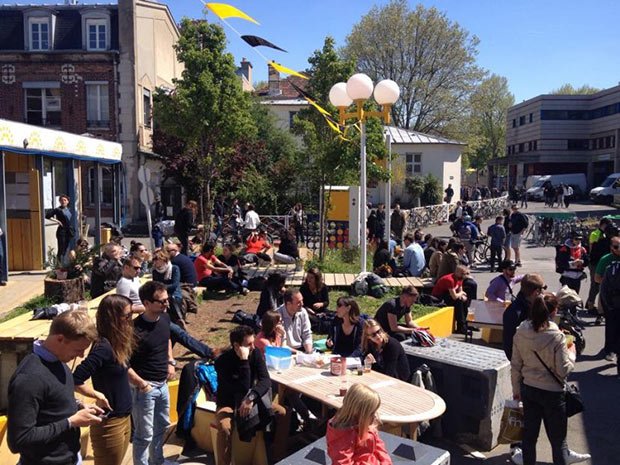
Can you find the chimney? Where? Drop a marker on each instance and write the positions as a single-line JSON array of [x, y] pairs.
[[246, 70], [274, 81]]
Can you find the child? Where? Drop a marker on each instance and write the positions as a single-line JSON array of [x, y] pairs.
[[352, 436]]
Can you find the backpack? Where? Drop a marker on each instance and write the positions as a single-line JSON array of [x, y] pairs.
[[599, 249], [242, 318], [560, 258], [422, 338], [464, 232], [204, 377], [520, 222]]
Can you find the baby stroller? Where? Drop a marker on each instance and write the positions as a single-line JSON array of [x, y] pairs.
[[570, 303]]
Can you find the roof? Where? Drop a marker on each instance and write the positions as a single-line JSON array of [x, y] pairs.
[[287, 91], [406, 136], [283, 102], [36, 140]]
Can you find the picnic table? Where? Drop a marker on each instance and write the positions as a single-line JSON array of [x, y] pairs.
[[401, 403]]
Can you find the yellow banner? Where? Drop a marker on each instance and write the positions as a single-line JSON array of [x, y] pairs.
[[285, 70], [223, 11]]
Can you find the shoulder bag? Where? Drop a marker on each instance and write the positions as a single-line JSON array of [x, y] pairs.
[[574, 402]]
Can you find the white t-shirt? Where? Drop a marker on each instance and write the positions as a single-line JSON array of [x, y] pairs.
[[129, 288], [251, 220]]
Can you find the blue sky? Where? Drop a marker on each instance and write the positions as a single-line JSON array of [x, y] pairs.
[[537, 44]]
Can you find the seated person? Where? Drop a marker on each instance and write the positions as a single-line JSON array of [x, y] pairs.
[[352, 436], [384, 352], [107, 270], [316, 300], [272, 331], [345, 336], [170, 275], [242, 380], [437, 257], [288, 252], [413, 261], [393, 310], [297, 330], [231, 259], [501, 287], [455, 255], [140, 250], [129, 286], [256, 247], [271, 295], [450, 289], [383, 259], [212, 273]]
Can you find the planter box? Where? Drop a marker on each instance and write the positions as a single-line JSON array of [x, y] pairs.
[[64, 290]]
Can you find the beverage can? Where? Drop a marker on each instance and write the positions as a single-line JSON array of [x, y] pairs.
[[336, 366]]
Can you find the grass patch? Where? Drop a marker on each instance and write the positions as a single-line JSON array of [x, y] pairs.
[[345, 260], [369, 305], [36, 302]]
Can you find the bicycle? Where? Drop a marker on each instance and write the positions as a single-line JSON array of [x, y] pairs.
[[482, 250]]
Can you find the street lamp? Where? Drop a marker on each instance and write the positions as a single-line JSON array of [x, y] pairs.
[[356, 91]]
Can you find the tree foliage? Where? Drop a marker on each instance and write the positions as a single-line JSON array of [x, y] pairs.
[[486, 128], [568, 89], [432, 190], [430, 57]]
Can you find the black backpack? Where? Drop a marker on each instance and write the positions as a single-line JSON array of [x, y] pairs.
[[520, 222]]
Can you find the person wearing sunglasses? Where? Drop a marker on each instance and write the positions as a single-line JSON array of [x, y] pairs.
[[501, 287], [385, 353]]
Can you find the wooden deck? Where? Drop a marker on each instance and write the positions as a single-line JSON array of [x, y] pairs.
[[296, 278]]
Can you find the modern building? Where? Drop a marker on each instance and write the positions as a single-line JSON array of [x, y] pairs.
[[561, 134], [93, 69]]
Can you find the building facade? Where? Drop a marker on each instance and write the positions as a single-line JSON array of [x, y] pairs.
[[561, 134], [91, 69]]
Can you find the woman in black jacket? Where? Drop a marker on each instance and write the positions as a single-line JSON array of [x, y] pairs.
[[384, 352], [271, 295], [345, 336]]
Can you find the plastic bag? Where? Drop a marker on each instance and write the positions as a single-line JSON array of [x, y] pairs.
[[511, 426]]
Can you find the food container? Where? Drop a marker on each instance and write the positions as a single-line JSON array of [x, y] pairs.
[[278, 358]]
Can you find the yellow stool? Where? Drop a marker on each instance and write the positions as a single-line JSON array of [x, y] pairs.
[[204, 415], [243, 453]]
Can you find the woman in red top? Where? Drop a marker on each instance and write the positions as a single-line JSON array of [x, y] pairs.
[[352, 436], [272, 331]]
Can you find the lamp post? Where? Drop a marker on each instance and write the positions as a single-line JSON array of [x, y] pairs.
[[356, 91]]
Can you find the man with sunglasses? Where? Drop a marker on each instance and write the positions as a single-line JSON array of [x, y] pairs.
[[500, 287], [152, 365]]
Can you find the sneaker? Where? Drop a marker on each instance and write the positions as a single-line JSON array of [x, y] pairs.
[[518, 264], [516, 455], [610, 357], [245, 291], [599, 320], [574, 457], [2, 283]]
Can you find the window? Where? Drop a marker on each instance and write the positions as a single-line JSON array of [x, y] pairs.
[[39, 29], [535, 145], [291, 117], [413, 163], [43, 107], [96, 34], [531, 117], [578, 144], [521, 148], [521, 120], [107, 186], [97, 105], [146, 107], [514, 123]]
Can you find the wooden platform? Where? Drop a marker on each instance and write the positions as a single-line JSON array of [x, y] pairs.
[[296, 278]]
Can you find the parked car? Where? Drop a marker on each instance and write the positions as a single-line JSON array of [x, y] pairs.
[[606, 191]]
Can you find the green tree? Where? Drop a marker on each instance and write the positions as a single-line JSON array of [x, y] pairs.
[[486, 128], [430, 57], [432, 190], [207, 111], [328, 158], [415, 188], [568, 89]]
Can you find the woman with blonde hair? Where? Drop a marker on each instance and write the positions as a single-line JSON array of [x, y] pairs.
[[352, 436], [106, 364], [384, 352]]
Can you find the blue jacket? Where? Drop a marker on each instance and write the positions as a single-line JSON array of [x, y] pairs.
[[414, 261]]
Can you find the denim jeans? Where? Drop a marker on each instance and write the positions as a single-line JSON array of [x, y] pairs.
[[550, 407], [178, 334], [151, 419], [220, 282]]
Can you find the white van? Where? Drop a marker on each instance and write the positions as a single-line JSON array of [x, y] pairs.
[[606, 191], [576, 180]]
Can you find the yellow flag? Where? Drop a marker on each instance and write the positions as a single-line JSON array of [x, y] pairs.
[[223, 11], [317, 106], [286, 70]]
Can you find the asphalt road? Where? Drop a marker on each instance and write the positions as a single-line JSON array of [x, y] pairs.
[[597, 430]]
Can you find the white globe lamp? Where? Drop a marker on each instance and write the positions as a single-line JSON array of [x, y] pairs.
[[338, 95], [386, 92], [359, 87]]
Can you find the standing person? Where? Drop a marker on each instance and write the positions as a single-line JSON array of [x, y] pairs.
[[251, 221], [568, 195], [449, 193], [384, 352], [297, 329], [497, 233], [299, 220], [219, 211], [380, 225], [158, 214], [599, 241], [107, 365], [44, 419], [352, 436], [610, 301], [345, 336], [500, 287], [152, 365], [397, 224], [518, 224], [183, 224], [506, 215], [571, 259], [3, 265], [236, 218], [603, 264], [63, 217], [524, 195], [540, 364], [559, 195], [389, 314], [371, 225]]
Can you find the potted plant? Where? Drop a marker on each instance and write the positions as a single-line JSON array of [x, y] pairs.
[[65, 280]]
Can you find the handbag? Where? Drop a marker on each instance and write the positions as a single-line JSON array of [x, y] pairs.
[[511, 426], [574, 402]]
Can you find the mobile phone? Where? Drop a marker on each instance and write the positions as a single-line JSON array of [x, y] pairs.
[[105, 414]]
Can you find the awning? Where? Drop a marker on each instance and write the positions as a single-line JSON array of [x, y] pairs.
[[35, 140]]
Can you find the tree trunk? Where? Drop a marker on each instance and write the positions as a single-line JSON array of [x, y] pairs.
[[64, 290]]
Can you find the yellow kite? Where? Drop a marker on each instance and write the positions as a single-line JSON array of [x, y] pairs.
[[286, 70], [223, 11]]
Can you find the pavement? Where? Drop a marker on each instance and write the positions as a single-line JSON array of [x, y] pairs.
[[594, 431]]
